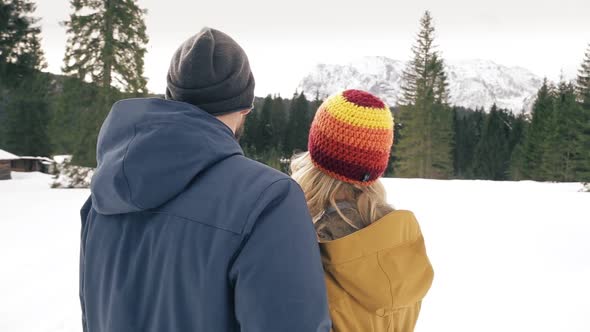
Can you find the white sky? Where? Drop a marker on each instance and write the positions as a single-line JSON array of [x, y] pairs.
[[285, 39]]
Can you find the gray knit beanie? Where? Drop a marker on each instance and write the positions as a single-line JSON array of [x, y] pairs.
[[211, 71]]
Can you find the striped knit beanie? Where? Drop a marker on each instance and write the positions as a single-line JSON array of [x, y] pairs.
[[351, 137]]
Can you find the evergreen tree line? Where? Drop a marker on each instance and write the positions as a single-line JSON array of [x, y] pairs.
[[277, 128], [44, 114], [552, 143], [495, 144], [435, 140], [557, 143]]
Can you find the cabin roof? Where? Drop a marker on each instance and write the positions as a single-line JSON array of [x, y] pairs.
[[5, 155]]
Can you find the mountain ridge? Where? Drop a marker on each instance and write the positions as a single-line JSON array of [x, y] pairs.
[[473, 83]]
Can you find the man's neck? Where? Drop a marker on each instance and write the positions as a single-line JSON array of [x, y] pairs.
[[231, 120]]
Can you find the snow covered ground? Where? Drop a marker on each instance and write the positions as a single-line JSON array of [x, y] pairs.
[[39, 248], [508, 256]]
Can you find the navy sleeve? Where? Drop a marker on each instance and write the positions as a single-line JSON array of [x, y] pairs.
[[83, 216], [278, 276]]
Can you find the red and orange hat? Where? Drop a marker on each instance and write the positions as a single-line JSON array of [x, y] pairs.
[[351, 137]]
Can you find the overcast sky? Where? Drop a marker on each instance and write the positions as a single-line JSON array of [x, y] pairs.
[[285, 39]]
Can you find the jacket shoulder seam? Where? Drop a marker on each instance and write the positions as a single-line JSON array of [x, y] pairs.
[[191, 220]]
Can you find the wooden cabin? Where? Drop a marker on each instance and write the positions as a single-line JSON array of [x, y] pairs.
[[31, 164], [6, 159], [13, 163]]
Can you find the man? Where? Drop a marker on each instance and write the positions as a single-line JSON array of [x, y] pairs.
[[184, 233]]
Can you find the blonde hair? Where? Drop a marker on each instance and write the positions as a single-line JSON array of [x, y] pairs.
[[322, 191]]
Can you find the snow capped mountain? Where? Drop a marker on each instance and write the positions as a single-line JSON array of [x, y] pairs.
[[472, 83]]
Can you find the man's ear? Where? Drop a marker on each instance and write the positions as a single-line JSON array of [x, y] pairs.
[[246, 112]]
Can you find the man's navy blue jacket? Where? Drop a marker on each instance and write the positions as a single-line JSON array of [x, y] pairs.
[[184, 233]]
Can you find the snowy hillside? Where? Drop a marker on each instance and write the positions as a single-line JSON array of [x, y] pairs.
[[508, 256], [472, 83]]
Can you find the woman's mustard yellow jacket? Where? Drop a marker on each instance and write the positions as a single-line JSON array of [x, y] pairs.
[[377, 277]]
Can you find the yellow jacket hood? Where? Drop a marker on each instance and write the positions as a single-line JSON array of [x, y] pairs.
[[381, 268]]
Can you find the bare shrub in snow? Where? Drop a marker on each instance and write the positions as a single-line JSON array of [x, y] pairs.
[[71, 176]]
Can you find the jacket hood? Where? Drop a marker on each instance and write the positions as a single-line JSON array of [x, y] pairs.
[[383, 266], [149, 151]]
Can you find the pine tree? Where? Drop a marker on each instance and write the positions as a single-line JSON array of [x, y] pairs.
[[517, 137], [75, 100], [279, 123], [563, 138], [106, 46], [298, 129], [20, 50], [107, 43], [583, 89], [248, 140], [536, 140], [583, 82], [426, 119], [265, 132], [468, 127], [314, 106], [21, 59], [492, 154], [391, 171], [27, 117], [442, 141]]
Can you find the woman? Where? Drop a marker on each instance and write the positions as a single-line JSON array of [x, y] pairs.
[[377, 271]]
